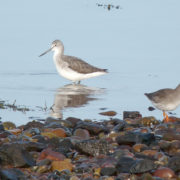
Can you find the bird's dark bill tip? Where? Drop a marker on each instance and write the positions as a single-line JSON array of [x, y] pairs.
[[41, 54]]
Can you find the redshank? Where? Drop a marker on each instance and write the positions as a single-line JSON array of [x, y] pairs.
[[165, 100]]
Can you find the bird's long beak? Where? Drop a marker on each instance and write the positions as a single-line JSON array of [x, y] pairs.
[[45, 52]]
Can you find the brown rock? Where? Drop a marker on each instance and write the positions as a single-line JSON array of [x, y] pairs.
[[108, 113], [51, 155], [48, 135], [73, 120], [145, 130], [139, 147], [164, 172], [51, 133], [82, 133], [169, 136], [59, 132], [62, 165], [149, 152]]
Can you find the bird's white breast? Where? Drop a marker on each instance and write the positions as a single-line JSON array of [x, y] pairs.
[[72, 75], [166, 107]]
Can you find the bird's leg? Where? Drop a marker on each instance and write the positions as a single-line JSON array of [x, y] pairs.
[[164, 114], [76, 82], [166, 118]]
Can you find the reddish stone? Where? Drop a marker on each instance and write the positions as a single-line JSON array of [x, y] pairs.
[[145, 130], [149, 152], [139, 147], [62, 165], [52, 155], [164, 172], [60, 132], [48, 134], [108, 113]]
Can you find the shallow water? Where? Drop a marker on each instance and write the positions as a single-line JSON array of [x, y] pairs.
[[138, 43]]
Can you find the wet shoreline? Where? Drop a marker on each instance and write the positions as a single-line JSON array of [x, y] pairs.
[[133, 148]]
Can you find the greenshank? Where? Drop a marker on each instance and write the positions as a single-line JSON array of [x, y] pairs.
[[71, 67], [165, 100]]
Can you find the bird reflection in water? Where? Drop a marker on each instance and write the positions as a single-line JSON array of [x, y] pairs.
[[73, 95]]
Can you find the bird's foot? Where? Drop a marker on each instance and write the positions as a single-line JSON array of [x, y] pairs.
[[166, 117], [76, 82]]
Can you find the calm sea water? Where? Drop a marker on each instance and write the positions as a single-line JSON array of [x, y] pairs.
[[139, 44]]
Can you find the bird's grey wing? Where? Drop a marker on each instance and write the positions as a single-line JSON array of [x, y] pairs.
[[160, 95], [79, 65]]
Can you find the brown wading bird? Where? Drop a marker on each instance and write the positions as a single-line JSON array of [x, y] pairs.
[[165, 100]]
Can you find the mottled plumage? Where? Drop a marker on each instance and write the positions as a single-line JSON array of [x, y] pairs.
[[81, 66]]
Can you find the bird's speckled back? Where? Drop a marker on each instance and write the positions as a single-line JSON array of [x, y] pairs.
[[80, 66]]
